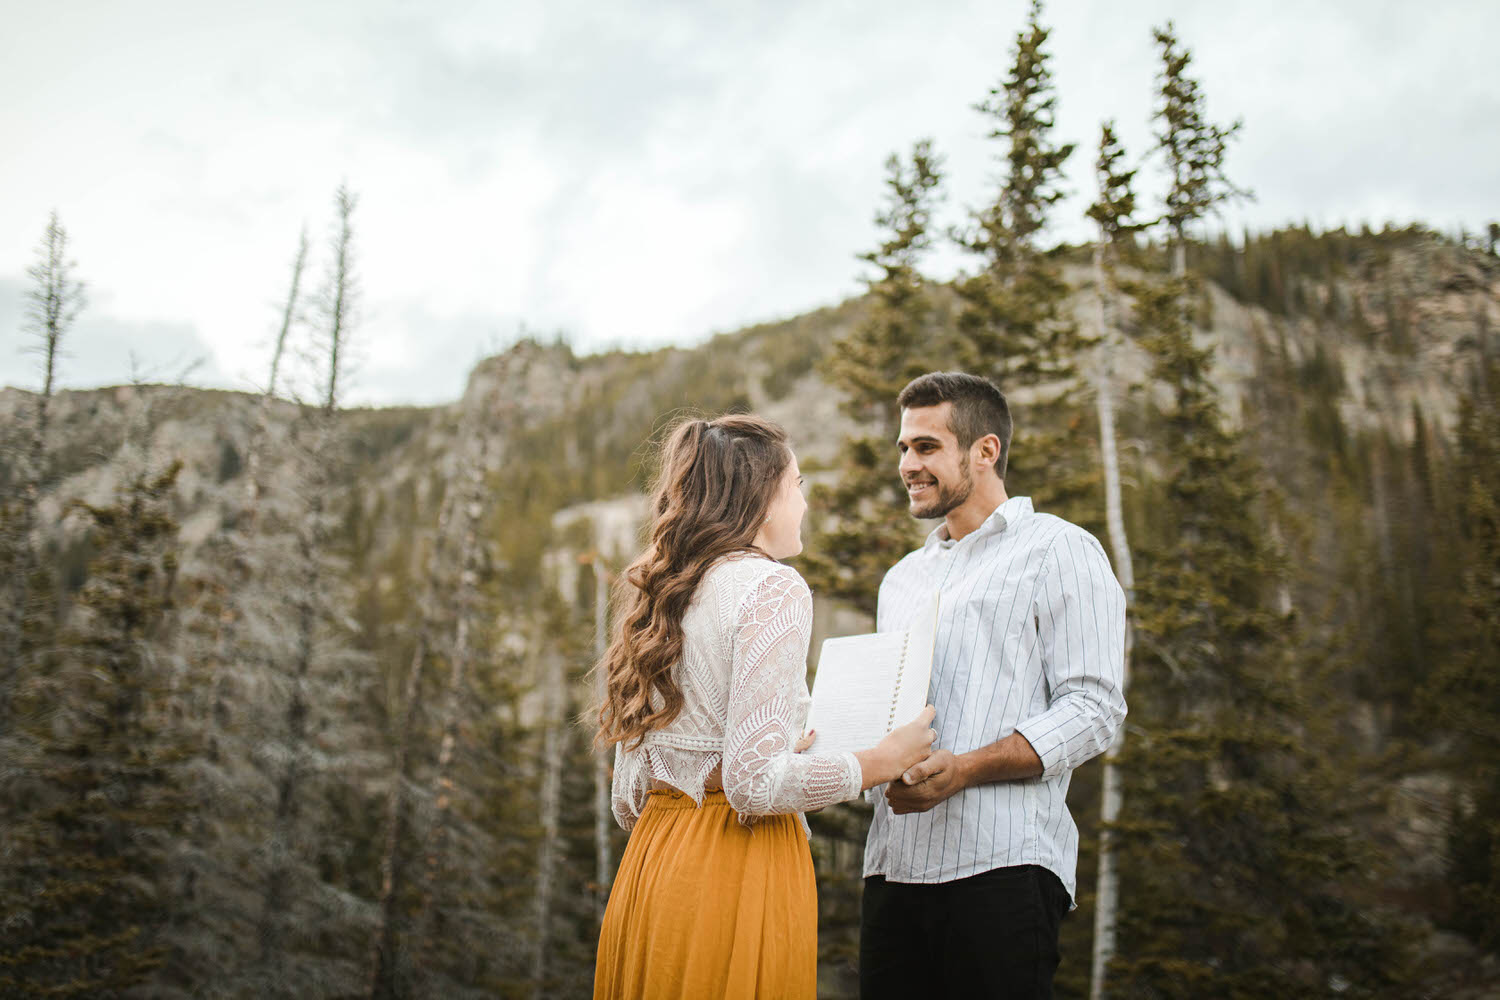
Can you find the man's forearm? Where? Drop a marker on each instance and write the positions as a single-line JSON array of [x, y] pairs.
[[1007, 759]]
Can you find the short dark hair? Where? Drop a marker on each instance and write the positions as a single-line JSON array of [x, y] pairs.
[[979, 407]]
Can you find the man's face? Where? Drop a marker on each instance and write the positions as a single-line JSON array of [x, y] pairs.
[[934, 469]]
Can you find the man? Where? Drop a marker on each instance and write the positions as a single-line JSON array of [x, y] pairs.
[[971, 858]]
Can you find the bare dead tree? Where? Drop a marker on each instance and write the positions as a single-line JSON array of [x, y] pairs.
[[227, 620], [289, 313], [392, 871], [340, 298], [603, 816], [53, 303], [461, 654], [338, 302]]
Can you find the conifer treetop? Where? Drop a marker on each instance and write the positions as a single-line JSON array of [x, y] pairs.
[[912, 192], [1115, 208], [1194, 147], [1022, 107]]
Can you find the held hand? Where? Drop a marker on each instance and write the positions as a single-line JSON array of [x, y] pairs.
[[925, 784], [909, 744]]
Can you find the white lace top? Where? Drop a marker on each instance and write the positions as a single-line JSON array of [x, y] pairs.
[[743, 675]]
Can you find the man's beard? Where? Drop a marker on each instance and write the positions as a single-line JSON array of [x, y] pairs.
[[947, 497]]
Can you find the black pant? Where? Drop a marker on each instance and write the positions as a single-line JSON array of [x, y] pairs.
[[989, 935]]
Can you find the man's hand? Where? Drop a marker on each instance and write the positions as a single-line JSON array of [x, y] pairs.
[[925, 784]]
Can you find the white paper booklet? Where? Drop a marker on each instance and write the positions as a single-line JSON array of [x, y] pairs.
[[868, 685]]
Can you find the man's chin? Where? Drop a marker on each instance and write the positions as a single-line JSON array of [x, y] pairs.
[[926, 511]]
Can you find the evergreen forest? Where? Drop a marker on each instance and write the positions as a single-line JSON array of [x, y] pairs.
[[294, 695]]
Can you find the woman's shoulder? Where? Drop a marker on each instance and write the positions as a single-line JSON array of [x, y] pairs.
[[751, 586], [748, 571]]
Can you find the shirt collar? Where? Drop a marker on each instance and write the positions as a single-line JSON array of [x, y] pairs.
[[1012, 510]]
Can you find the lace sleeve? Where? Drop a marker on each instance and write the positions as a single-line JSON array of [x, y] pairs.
[[626, 788], [767, 699]]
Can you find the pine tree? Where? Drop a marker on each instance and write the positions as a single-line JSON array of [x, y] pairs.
[[1013, 325], [1462, 698], [1236, 852], [94, 816], [1233, 850], [1192, 146], [864, 527]]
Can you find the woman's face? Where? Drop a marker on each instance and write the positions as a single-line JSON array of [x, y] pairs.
[[780, 537]]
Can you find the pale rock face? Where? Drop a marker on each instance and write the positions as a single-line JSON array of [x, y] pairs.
[[408, 457]]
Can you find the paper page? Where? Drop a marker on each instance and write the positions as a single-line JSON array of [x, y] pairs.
[[862, 678], [852, 694]]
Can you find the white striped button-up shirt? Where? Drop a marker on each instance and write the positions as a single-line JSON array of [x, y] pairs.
[[1031, 639]]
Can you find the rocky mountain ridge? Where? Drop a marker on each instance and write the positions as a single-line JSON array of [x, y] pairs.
[[402, 457]]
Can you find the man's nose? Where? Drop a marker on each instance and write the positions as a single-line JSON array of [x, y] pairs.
[[908, 463]]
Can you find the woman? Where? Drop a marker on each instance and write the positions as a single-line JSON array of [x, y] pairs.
[[705, 693]]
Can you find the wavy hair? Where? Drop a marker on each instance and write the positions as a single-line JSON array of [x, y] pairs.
[[716, 482]]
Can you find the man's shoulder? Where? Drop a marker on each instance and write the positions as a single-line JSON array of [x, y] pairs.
[[1045, 530], [1068, 546]]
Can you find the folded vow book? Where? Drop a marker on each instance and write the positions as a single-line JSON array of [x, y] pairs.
[[868, 685]]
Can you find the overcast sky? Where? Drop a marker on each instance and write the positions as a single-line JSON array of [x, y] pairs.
[[636, 173]]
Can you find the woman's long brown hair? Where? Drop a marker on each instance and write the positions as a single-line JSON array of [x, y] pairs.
[[715, 485]]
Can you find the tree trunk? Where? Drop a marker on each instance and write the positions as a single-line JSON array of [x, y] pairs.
[[227, 621], [340, 303], [278, 890], [471, 510], [554, 745], [1482, 333], [392, 870], [279, 896], [603, 816], [263, 409], [1106, 898]]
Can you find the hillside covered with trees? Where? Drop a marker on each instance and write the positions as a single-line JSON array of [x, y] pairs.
[[290, 692]]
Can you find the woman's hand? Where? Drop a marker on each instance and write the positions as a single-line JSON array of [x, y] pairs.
[[910, 744], [902, 747]]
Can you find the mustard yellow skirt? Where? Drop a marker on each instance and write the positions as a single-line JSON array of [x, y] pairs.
[[704, 907]]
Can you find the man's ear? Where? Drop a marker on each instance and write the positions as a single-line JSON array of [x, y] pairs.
[[987, 450]]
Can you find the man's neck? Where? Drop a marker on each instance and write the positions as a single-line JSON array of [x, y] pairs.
[[973, 512]]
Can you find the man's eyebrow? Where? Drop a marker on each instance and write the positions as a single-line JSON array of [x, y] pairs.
[[922, 437]]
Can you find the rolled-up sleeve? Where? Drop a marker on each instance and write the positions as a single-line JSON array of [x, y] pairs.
[[1080, 617]]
